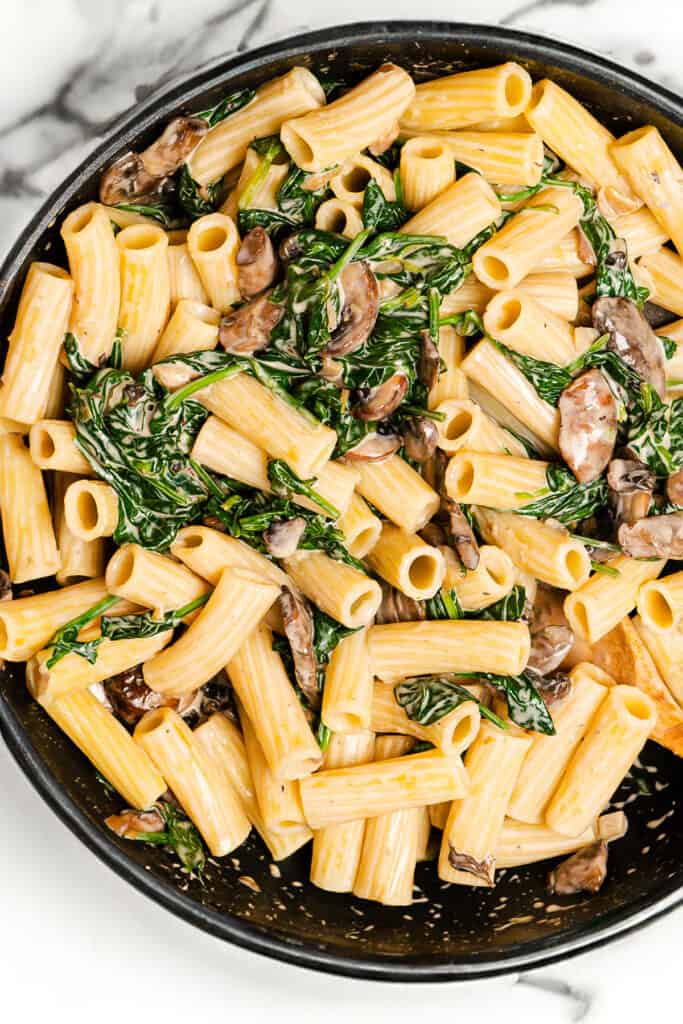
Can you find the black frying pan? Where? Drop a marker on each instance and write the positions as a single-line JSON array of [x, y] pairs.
[[450, 932]]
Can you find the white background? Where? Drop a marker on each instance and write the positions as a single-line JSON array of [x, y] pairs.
[[76, 943]]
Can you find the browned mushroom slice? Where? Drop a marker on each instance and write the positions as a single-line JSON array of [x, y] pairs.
[[248, 328], [283, 535], [127, 179], [434, 534], [397, 607], [374, 447], [420, 438], [584, 871], [130, 824], [632, 338], [180, 137], [631, 486], [588, 425], [655, 537], [5, 586], [549, 647], [482, 869], [674, 488], [331, 370], [552, 688], [434, 470], [429, 363], [460, 534], [131, 698], [378, 403], [300, 632], [360, 305], [256, 263]]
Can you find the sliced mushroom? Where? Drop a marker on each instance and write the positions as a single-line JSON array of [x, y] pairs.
[[315, 181], [256, 263], [180, 137], [654, 537], [130, 696], [331, 370], [420, 438], [297, 620], [248, 328], [674, 488], [548, 608], [481, 869], [460, 534], [374, 447], [129, 824], [397, 607], [434, 534], [290, 248], [5, 586], [384, 142], [584, 871], [283, 535], [378, 403], [632, 338], [214, 696], [550, 645], [434, 470], [360, 306], [588, 425], [429, 362], [127, 179], [553, 688], [631, 486]]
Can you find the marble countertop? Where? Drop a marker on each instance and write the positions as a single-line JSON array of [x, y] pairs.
[[76, 941]]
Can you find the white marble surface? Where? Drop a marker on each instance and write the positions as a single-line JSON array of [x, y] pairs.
[[76, 943]]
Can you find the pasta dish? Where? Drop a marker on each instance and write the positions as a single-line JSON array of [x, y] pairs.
[[341, 475]]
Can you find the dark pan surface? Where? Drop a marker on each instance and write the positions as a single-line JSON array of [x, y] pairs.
[[449, 932]]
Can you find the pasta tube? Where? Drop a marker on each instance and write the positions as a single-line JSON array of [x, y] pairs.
[[273, 708], [213, 243], [515, 250], [184, 281], [337, 795], [458, 213], [340, 217], [337, 848], [72, 672], [347, 694], [602, 601], [35, 343], [407, 562], [360, 526], [330, 134], [223, 450], [354, 176], [27, 623], [30, 543], [145, 292], [451, 382], [340, 590], [616, 736], [193, 327], [655, 175], [404, 649], [468, 97], [399, 493], [452, 734], [548, 756], [543, 549], [506, 158], [236, 606], [208, 552], [80, 558], [666, 651], [195, 779], [474, 826], [555, 290], [492, 580], [665, 278], [521, 844], [521, 323], [94, 267], [660, 603], [153, 580], [497, 481], [91, 509], [465, 425], [641, 231], [225, 146], [427, 168], [109, 746], [52, 446], [386, 869]]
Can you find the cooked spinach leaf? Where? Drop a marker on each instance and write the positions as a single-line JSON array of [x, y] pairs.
[[564, 499], [140, 626], [509, 609], [180, 835], [655, 432], [190, 197], [227, 106], [526, 707], [428, 699], [444, 605], [162, 212], [65, 640], [380, 213], [286, 483]]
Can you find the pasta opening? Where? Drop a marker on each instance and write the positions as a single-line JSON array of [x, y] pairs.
[[515, 90], [496, 572], [335, 221], [363, 541], [80, 220], [296, 145], [575, 564], [421, 572], [638, 134], [140, 237], [120, 568], [429, 151], [191, 540], [212, 239], [637, 706], [87, 510], [495, 269], [361, 603], [199, 311], [658, 609], [509, 312], [464, 730], [356, 179], [459, 425], [464, 478], [44, 443], [581, 617]]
